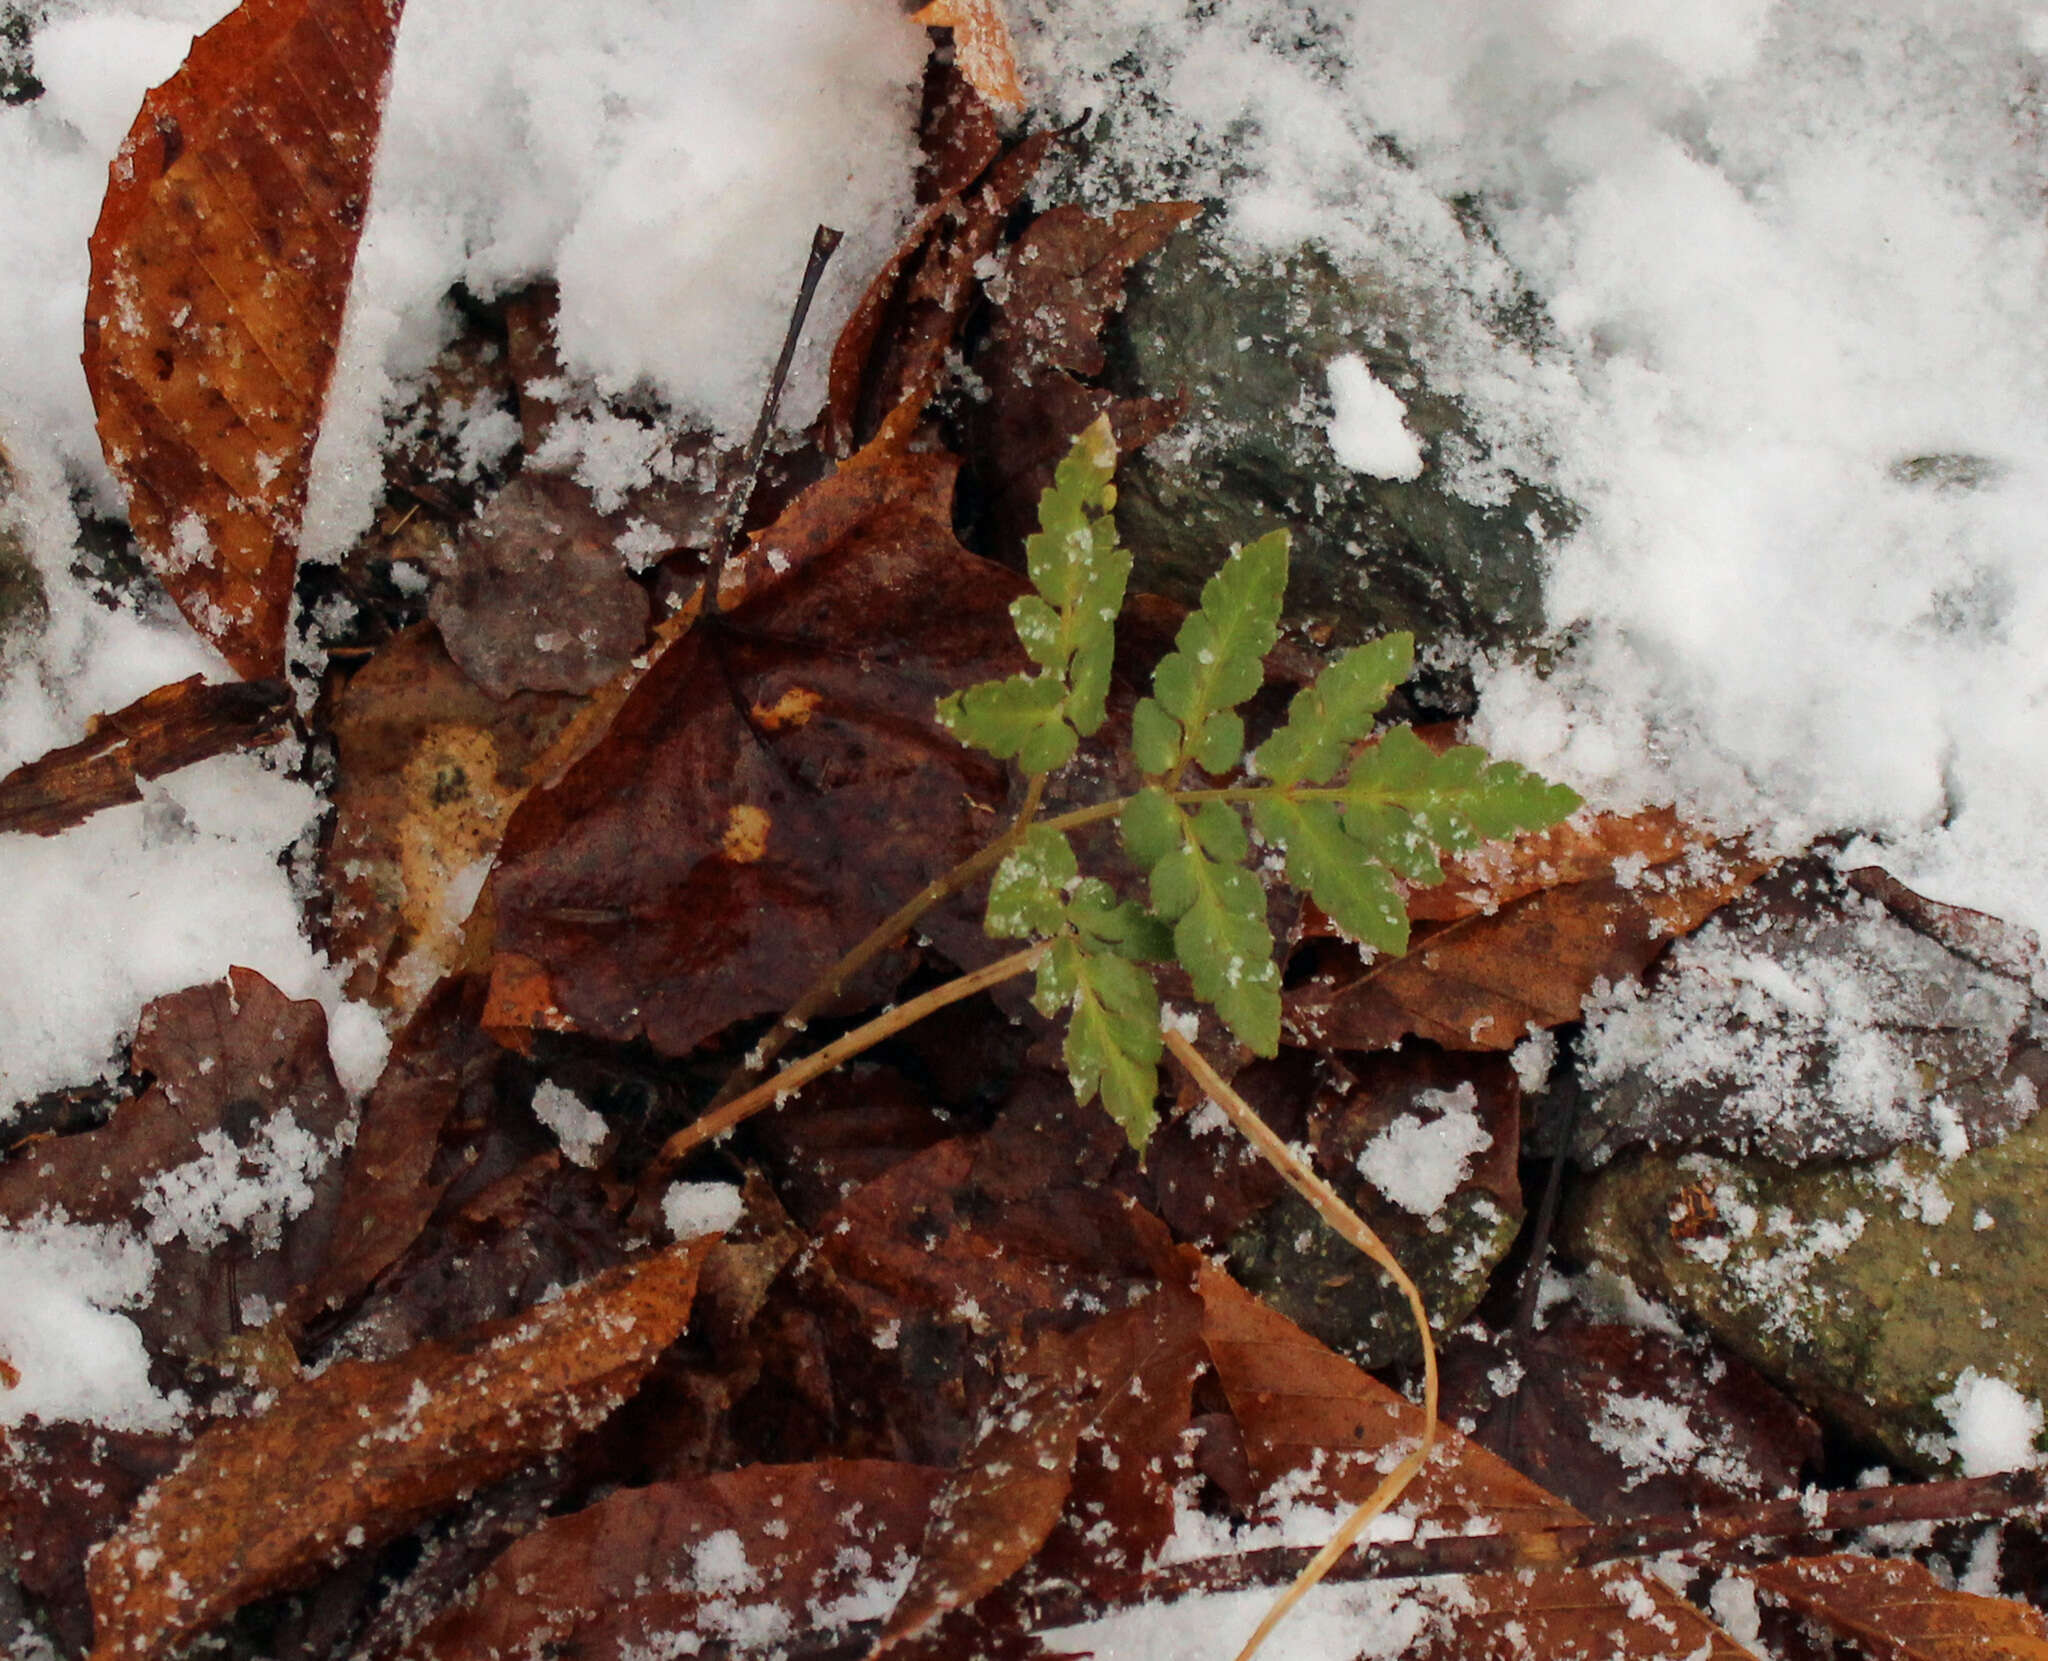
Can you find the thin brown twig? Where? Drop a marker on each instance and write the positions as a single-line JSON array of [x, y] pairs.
[[1353, 1228], [797, 1074]]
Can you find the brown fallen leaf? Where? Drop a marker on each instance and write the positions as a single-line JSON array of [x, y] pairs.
[[981, 45], [429, 770], [1894, 1610], [160, 732], [229, 1163], [1487, 979], [767, 1553], [359, 1454], [1307, 1412], [1121, 1383], [220, 266], [1059, 283], [774, 786]]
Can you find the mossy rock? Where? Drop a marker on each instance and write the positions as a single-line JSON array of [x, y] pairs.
[[1249, 341], [1863, 1289]]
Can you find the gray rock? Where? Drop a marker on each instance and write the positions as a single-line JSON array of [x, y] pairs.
[[1249, 343]]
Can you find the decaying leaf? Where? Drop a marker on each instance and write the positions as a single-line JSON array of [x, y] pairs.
[[229, 1164], [1059, 283], [775, 785], [1896, 1611], [359, 1454], [1302, 1408], [430, 769], [1488, 978], [160, 732], [750, 1556], [220, 266], [981, 46]]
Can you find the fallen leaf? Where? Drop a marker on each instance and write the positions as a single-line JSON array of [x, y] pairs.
[[892, 352], [535, 596], [1487, 980], [1058, 285], [63, 1489], [1894, 1610], [1307, 1413], [981, 46], [220, 266], [1586, 847], [1622, 1422], [755, 1557], [429, 769], [1122, 1383], [619, 901], [229, 1163], [1810, 1022], [357, 1455], [160, 732]]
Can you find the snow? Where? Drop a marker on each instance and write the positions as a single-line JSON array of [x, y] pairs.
[[692, 1209], [1992, 1426], [580, 1131], [1419, 1162], [1366, 428], [61, 1330]]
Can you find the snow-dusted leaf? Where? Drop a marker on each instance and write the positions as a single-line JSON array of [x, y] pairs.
[[1027, 898], [1336, 711], [1339, 869], [1896, 1610], [362, 1452], [981, 45], [220, 266]]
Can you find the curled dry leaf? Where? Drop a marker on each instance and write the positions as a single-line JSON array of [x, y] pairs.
[[220, 267], [981, 46], [367, 1449], [660, 1569], [1488, 977], [160, 732], [774, 786], [229, 1164], [1894, 1610]]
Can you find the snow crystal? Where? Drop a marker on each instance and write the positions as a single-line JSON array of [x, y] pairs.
[[1418, 1162], [1992, 1426], [579, 1129], [1366, 431], [253, 1187], [692, 1209]]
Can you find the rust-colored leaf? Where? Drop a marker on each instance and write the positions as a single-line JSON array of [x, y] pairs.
[[229, 1163], [1059, 284], [1485, 981], [1893, 1610], [1304, 1409], [430, 769], [1120, 1383], [220, 267], [627, 883], [160, 732], [365, 1450], [768, 1552], [981, 45]]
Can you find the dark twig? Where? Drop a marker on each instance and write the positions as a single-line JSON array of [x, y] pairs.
[[734, 511], [1539, 1254]]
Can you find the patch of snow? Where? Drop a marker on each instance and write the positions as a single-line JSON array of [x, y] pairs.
[[1367, 429], [61, 1330], [1419, 1162], [579, 1129], [1992, 1427], [694, 1209]]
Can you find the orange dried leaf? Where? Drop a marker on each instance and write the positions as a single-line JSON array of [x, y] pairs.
[[361, 1453], [981, 46], [220, 267], [1894, 1610]]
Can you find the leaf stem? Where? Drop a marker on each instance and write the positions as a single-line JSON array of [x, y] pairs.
[[716, 1122], [1331, 1207]]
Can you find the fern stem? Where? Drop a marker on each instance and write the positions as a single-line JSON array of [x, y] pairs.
[[718, 1120], [1331, 1207]]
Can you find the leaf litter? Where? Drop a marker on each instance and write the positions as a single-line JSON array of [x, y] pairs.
[[551, 851]]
